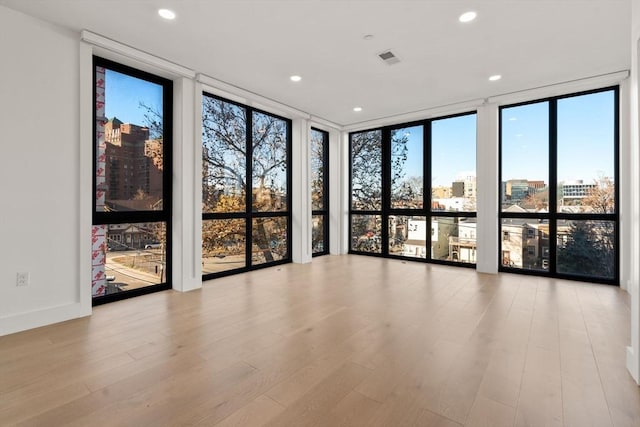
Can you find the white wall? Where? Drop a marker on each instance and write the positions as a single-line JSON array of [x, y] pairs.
[[633, 351], [39, 173]]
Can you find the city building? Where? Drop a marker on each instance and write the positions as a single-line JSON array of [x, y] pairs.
[[463, 246], [441, 192], [464, 188], [573, 191], [517, 190], [133, 171], [470, 190], [525, 244], [452, 239], [457, 188]]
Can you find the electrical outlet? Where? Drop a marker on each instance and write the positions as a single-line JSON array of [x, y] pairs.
[[22, 279]]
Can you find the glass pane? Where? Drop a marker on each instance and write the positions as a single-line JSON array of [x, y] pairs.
[[318, 142], [453, 164], [407, 168], [269, 240], [525, 243], [453, 239], [366, 170], [366, 233], [129, 149], [223, 245], [269, 163], [224, 152], [587, 248], [128, 256], [586, 153], [317, 234], [525, 158], [408, 236]]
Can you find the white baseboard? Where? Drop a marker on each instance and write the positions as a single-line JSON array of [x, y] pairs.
[[35, 319], [632, 364]]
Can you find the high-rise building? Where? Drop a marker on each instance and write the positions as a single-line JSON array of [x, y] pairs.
[[133, 164]]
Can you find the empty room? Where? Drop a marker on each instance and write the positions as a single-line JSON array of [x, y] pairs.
[[320, 213]]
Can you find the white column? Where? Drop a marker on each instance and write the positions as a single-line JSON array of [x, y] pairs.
[[187, 209], [632, 222], [301, 189], [336, 192], [627, 190], [85, 178], [339, 193], [487, 182]]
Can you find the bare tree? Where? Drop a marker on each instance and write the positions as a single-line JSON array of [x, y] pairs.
[[601, 198], [366, 170], [224, 158], [317, 170]]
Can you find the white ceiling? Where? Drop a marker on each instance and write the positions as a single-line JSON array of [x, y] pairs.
[[258, 44]]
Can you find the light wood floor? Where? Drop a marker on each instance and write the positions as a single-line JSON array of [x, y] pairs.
[[345, 341]]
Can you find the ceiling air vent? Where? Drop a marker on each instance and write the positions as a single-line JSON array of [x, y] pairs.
[[389, 57]]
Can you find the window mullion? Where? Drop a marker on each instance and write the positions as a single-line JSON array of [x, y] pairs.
[[553, 185]]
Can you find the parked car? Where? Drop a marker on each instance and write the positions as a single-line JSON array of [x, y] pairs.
[[153, 246]]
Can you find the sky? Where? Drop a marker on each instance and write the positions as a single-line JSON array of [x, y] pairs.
[[123, 95], [453, 149], [585, 139], [585, 135], [585, 142]]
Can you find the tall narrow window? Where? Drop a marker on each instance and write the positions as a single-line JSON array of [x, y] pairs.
[[131, 248], [406, 231], [319, 192], [244, 227], [561, 209], [413, 191], [524, 193], [453, 189], [366, 192]]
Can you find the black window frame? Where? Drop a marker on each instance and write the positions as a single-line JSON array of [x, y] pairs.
[[324, 212], [163, 215], [386, 211], [553, 216], [249, 214]]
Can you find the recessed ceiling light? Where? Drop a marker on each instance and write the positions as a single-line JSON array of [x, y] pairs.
[[495, 77], [467, 16], [357, 109], [167, 14], [295, 78]]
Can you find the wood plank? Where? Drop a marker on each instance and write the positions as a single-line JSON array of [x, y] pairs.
[[345, 340], [257, 413]]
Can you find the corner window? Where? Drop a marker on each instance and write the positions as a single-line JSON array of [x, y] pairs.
[[408, 179]]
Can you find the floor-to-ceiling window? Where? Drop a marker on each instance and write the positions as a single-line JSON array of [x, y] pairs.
[[559, 186], [246, 182], [319, 151], [131, 247], [413, 190], [453, 189]]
